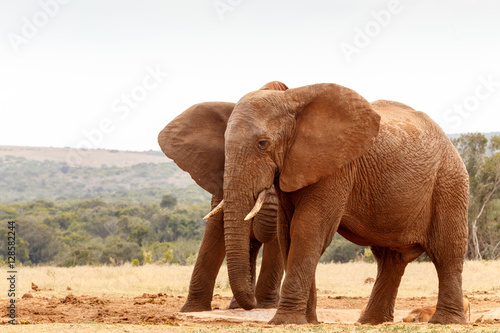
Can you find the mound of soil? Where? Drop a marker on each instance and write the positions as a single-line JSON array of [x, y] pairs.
[[163, 309]]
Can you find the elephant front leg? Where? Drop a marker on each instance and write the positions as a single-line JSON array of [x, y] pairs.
[[315, 219], [298, 295], [295, 310], [210, 257], [296, 303]]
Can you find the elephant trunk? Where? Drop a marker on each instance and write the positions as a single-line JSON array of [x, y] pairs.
[[237, 237]]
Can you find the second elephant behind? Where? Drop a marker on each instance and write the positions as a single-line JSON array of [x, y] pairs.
[[190, 142]]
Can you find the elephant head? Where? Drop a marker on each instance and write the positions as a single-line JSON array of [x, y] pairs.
[[194, 140], [291, 138]]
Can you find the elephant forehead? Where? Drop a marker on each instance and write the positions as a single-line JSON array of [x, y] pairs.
[[253, 127], [259, 117], [246, 119], [261, 103], [244, 126]]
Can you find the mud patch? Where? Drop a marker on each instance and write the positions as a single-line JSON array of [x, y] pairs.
[[162, 309]]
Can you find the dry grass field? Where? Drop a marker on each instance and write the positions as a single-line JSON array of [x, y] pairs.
[[146, 299], [420, 279]]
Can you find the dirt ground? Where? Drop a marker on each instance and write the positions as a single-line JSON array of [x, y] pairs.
[[154, 309]]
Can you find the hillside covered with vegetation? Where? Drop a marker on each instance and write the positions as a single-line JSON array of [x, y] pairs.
[[23, 180]]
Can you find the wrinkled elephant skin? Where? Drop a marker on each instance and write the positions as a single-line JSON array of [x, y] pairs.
[[381, 174]]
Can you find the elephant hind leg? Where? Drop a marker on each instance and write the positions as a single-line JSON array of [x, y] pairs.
[[449, 309], [446, 246], [391, 265], [449, 265]]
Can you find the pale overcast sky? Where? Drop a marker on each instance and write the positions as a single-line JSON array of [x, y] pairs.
[[112, 73]]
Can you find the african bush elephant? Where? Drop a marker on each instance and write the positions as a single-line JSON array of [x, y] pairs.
[[195, 141], [381, 174]]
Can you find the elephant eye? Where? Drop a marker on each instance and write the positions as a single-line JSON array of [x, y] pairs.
[[263, 144]]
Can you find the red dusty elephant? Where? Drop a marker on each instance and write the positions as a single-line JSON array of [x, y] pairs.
[[381, 174]]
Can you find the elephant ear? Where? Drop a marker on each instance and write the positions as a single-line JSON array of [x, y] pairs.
[[335, 126], [195, 141]]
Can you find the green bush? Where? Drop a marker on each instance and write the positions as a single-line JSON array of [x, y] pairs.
[[341, 250], [168, 201], [119, 251]]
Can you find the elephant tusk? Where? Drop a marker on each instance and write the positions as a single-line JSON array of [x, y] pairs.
[[258, 205], [214, 211]]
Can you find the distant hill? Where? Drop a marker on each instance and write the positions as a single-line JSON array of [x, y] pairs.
[[85, 157], [34, 173]]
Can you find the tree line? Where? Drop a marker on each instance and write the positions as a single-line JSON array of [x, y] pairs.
[[91, 232], [481, 157]]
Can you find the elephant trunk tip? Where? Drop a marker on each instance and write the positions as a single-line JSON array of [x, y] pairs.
[[246, 301]]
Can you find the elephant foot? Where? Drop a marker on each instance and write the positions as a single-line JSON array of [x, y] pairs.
[[312, 318], [193, 306], [234, 304], [282, 318], [446, 318], [375, 319]]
